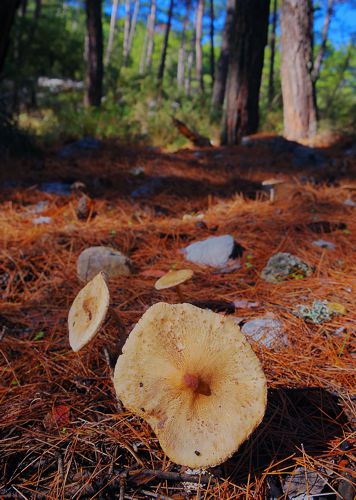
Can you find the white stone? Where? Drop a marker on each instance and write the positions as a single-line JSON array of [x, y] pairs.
[[214, 251]]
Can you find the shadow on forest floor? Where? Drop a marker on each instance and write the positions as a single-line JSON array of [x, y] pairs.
[[296, 421]]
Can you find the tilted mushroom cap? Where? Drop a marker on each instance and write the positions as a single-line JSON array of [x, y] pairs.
[[273, 182], [92, 260], [173, 278], [191, 374], [88, 312]]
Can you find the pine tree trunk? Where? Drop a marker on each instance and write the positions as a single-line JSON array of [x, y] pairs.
[[94, 54], [198, 47], [144, 49], [23, 7], [150, 35], [245, 70], [272, 55], [223, 61], [7, 15], [38, 9], [299, 109], [127, 28], [165, 43], [114, 9], [147, 49], [212, 50], [182, 50], [132, 28], [190, 61]]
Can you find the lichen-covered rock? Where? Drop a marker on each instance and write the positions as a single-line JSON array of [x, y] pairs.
[[282, 266], [320, 311], [92, 260]]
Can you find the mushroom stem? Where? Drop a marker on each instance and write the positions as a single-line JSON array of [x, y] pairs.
[[197, 384], [272, 194], [180, 294]]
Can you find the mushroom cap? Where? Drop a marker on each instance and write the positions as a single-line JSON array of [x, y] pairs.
[[172, 350], [92, 260], [88, 312], [273, 182], [173, 278]]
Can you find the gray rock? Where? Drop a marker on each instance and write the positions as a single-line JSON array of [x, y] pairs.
[[351, 151], [60, 188], [350, 202], [306, 157], [148, 189], [304, 484], [284, 265], [324, 244], [37, 221], [80, 148], [92, 260], [137, 171], [317, 313], [267, 331]]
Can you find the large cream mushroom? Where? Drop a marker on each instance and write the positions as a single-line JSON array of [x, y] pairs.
[[191, 374], [88, 312]]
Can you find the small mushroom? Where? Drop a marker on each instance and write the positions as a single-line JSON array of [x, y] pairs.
[[174, 279], [88, 312], [271, 185], [192, 375]]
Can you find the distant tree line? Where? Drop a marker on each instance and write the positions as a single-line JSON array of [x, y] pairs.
[[234, 76]]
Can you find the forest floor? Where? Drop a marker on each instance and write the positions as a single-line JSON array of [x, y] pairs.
[[61, 434]]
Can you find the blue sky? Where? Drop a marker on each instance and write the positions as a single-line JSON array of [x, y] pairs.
[[343, 23]]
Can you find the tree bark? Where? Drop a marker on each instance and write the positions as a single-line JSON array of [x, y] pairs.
[[324, 38], [241, 112], [299, 107], [38, 9], [190, 61], [223, 61], [198, 47], [114, 9], [94, 53], [132, 28], [151, 33], [212, 49], [7, 15], [126, 28], [23, 7], [144, 50], [272, 55], [147, 49], [165, 43], [182, 50]]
